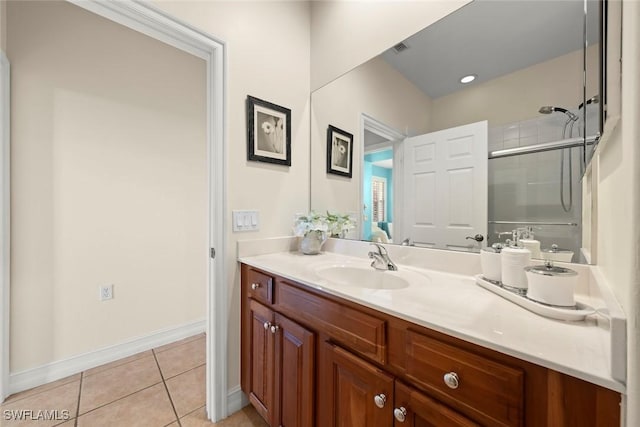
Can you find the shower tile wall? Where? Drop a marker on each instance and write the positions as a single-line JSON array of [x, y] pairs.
[[527, 187], [541, 129]]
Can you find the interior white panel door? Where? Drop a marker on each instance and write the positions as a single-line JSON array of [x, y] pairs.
[[445, 187]]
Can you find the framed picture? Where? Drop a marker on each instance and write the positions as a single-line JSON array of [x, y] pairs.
[[268, 132], [339, 152]]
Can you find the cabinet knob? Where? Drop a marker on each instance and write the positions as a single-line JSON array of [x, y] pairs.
[[274, 329], [255, 286], [380, 400], [267, 325], [451, 380], [400, 414]]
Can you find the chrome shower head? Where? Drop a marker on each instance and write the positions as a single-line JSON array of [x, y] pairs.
[[548, 109]]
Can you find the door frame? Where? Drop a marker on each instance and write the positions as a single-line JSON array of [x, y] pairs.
[[151, 21], [367, 122], [5, 213]]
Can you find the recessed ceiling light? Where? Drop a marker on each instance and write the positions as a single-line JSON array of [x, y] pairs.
[[468, 79]]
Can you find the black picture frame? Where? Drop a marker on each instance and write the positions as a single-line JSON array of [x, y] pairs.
[[268, 132], [339, 152]]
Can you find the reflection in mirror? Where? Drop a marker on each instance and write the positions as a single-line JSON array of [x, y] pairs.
[[438, 161], [595, 97]]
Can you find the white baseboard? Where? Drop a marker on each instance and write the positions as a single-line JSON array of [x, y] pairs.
[[53, 371], [236, 400]]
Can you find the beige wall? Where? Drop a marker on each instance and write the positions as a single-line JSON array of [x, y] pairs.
[[374, 88], [345, 34], [517, 96], [618, 192], [3, 25], [268, 57], [109, 183]]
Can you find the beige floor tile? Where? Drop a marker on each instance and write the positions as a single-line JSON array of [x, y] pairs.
[[246, 417], [63, 399], [188, 390], [253, 417], [120, 381], [147, 408], [178, 343], [70, 423], [40, 389], [117, 363], [196, 419], [181, 358]]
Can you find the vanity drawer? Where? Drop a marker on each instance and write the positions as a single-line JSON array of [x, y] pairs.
[[489, 389], [259, 285], [360, 332]]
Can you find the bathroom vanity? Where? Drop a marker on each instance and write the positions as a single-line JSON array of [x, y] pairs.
[[325, 354]]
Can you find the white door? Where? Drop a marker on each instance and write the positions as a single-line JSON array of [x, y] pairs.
[[445, 187]]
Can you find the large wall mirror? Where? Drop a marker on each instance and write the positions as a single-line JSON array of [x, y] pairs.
[[480, 124]]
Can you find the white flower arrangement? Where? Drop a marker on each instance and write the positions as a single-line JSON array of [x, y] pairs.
[[334, 225]]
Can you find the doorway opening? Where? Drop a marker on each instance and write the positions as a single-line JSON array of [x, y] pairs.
[[151, 22], [380, 166]]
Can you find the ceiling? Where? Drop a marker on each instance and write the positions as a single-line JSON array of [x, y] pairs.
[[491, 38]]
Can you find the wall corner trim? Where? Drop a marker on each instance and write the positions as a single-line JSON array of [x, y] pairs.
[[236, 399], [5, 221]]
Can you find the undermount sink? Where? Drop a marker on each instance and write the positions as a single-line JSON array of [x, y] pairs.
[[367, 277]]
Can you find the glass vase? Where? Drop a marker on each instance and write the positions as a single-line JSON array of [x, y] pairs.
[[311, 243]]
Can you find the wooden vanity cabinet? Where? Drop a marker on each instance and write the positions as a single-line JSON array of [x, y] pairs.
[[354, 393], [313, 359], [261, 370], [487, 389], [278, 369], [358, 394], [415, 409]]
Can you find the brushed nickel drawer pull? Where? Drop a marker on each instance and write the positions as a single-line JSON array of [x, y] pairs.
[[400, 414], [274, 329], [451, 380], [380, 400], [255, 286], [267, 325]]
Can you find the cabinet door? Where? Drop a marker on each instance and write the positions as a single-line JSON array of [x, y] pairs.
[[261, 373], [295, 355], [355, 393], [415, 409]]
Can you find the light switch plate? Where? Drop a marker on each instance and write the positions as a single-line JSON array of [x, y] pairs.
[[246, 220]]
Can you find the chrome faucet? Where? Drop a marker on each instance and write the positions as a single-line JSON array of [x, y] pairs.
[[407, 242], [381, 260]]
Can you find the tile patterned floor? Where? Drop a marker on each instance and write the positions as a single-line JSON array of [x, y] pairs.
[[156, 388]]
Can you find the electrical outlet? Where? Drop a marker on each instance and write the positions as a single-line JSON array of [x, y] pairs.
[[106, 292]]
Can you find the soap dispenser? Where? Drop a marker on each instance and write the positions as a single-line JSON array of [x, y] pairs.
[[528, 241], [514, 259]]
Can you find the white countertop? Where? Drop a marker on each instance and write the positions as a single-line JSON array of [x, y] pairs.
[[453, 304]]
